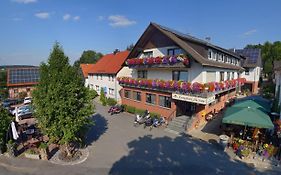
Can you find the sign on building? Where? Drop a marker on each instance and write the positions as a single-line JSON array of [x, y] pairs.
[[193, 99]]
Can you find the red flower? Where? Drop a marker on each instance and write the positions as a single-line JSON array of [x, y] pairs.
[[150, 60], [186, 61], [158, 60]]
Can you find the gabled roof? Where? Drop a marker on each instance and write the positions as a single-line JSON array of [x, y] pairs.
[[252, 55], [86, 68], [22, 76], [182, 41], [110, 63]]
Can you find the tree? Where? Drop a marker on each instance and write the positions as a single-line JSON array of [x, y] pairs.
[[130, 47], [102, 97], [88, 56], [5, 120], [63, 105]]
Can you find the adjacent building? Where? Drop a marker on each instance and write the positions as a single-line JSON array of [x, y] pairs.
[[178, 75], [86, 68], [103, 74], [253, 67], [22, 79], [277, 78]]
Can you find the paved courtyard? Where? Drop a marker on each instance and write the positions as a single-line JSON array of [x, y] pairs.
[[117, 147]]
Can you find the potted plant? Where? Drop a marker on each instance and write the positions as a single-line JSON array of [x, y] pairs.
[[43, 147], [11, 148], [31, 154]]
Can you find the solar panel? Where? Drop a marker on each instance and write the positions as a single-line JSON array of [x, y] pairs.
[[251, 54], [22, 76]]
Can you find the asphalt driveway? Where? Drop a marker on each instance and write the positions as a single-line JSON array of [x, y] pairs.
[[117, 147]]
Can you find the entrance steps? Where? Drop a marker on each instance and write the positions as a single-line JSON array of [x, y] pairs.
[[178, 125]]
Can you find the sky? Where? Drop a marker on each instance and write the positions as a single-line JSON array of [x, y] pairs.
[[29, 28]]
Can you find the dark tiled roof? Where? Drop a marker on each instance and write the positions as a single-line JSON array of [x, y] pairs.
[[277, 65], [182, 41], [252, 55]]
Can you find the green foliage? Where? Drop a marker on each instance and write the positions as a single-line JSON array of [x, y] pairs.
[[130, 47], [63, 105], [133, 110], [43, 145], [93, 93], [270, 52], [130, 109], [88, 56], [111, 101], [3, 84], [5, 120], [102, 97]]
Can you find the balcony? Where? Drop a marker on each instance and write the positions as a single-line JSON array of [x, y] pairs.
[[181, 90], [179, 61]]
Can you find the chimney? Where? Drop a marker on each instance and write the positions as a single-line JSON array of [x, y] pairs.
[[116, 51], [208, 39]]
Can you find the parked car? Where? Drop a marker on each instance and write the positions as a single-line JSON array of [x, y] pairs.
[[27, 100], [9, 102], [24, 115], [25, 108]]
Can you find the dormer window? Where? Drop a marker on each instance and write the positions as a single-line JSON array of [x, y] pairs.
[[175, 51], [209, 54], [147, 54]]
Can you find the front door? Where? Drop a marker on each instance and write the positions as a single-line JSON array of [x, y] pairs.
[[185, 108]]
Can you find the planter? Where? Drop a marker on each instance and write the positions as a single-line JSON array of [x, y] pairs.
[[32, 156]]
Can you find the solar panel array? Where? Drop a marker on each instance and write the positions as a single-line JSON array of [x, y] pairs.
[[22, 76], [252, 55]]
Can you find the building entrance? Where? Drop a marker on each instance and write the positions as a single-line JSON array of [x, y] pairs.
[[185, 108]]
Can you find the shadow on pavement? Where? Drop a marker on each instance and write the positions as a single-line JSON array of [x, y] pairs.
[[181, 155], [99, 128]]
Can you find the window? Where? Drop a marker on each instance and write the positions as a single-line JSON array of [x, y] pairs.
[[142, 74], [247, 71], [222, 58], [112, 77], [228, 75], [164, 101], [217, 56], [101, 76], [97, 76], [180, 75], [221, 76], [232, 77], [150, 98], [97, 88], [111, 91], [147, 54], [210, 54], [127, 93], [109, 77], [175, 51], [137, 96]]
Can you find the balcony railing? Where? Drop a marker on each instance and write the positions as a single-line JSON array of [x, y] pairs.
[[181, 87], [166, 61]]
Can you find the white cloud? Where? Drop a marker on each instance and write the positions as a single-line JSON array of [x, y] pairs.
[[76, 18], [120, 21], [66, 17], [42, 15], [101, 18], [25, 1], [250, 32]]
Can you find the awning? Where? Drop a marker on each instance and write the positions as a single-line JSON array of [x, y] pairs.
[[247, 116], [256, 104]]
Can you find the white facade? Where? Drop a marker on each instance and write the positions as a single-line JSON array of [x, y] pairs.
[[108, 82], [196, 72], [253, 75], [86, 83]]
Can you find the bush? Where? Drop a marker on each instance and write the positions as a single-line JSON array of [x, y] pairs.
[[130, 109], [111, 101], [139, 111], [93, 93], [102, 97]]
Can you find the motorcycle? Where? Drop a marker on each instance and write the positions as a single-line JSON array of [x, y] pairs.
[[158, 122], [116, 109], [141, 119]]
